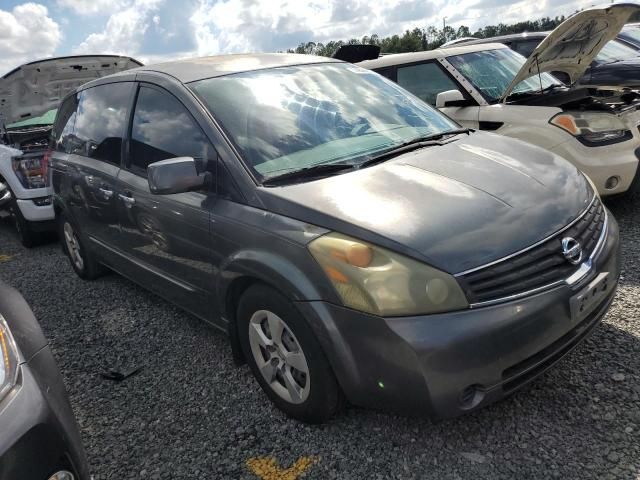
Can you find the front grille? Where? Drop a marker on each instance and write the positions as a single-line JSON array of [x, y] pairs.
[[537, 267]]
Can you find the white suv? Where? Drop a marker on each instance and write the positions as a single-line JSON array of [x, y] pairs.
[[28, 91], [490, 87]]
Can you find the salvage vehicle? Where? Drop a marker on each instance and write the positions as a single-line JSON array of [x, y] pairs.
[[353, 242], [39, 437], [29, 97], [616, 67], [491, 87]]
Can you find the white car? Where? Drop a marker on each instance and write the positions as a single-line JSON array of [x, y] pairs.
[[491, 87], [29, 97]]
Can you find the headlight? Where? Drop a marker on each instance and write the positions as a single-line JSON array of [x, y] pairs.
[[8, 359], [375, 280], [592, 128], [32, 170]]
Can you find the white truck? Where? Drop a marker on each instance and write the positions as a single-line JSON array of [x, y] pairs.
[[29, 97]]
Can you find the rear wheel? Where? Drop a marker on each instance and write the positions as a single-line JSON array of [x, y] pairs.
[[285, 357], [82, 260]]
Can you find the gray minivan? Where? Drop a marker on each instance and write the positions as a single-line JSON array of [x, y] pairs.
[[355, 244]]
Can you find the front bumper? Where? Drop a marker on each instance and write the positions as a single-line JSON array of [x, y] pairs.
[[448, 364], [38, 432], [34, 213], [618, 160]]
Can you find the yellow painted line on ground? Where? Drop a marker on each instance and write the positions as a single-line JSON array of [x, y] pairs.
[[267, 468], [5, 258]]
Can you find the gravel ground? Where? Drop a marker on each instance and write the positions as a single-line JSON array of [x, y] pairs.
[[191, 414]]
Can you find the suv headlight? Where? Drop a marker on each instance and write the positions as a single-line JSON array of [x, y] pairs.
[[592, 128], [8, 359], [378, 281]]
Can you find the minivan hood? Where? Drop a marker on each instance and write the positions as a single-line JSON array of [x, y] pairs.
[[37, 87], [573, 45], [456, 206]]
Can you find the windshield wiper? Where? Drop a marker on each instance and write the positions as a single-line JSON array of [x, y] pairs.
[[529, 93], [327, 169], [413, 144], [553, 86], [315, 171]]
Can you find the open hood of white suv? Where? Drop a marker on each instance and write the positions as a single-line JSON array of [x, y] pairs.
[[37, 87], [573, 45]]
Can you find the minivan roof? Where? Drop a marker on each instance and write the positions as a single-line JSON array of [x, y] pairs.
[[192, 69]]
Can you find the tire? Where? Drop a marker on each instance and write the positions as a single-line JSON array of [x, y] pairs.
[[82, 259], [28, 238], [317, 394]]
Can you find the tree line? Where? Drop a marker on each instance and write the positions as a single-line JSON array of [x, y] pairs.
[[427, 38]]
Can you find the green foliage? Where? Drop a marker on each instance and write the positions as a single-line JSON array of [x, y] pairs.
[[428, 38]]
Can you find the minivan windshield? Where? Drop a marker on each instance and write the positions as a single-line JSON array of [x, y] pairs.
[[299, 117], [492, 71]]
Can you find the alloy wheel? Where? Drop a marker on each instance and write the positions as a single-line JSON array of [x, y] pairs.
[[279, 356], [73, 246]]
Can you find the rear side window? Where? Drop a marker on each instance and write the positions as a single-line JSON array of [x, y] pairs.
[[526, 47], [163, 128], [425, 81], [62, 133], [100, 121]]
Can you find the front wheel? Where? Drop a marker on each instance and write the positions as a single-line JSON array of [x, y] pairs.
[[28, 237], [285, 356]]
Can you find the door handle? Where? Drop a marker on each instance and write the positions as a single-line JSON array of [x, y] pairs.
[[128, 201], [106, 193]]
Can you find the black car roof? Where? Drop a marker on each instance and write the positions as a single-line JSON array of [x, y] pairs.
[[192, 69]]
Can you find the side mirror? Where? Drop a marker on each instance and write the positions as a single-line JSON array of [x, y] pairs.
[[175, 175], [452, 98]]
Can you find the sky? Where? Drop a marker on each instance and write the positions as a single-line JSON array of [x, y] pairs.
[[157, 30]]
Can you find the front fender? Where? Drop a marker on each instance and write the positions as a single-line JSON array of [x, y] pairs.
[[282, 273], [297, 276]]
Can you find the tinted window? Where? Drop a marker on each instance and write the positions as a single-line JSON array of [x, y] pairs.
[[385, 72], [225, 185], [101, 122], [526, 47], [288, 118], [425, 81], [62, 133], [163, 128]]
